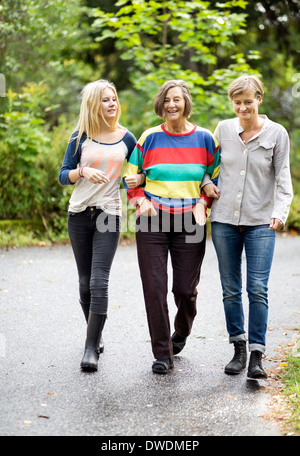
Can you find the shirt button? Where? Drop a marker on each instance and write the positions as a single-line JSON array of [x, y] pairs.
[[240, 194], [236, 213], [242, 173], [245, 151]]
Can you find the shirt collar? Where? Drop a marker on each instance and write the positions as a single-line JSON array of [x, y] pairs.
[[239, 129]]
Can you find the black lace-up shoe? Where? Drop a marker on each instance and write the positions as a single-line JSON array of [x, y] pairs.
[[238, 362], [178, 343], [255, 369]]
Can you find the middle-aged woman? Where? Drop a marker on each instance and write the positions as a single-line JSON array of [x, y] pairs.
[[174, 157], [255, 193], [93, 162]]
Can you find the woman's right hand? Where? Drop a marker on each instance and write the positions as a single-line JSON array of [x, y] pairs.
[[146, 208], [199, 211], [95, 176]]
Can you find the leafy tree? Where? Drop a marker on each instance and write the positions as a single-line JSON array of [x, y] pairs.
[[169, 39], [40, 42], [103, 57], [273, 30], [49, 49]]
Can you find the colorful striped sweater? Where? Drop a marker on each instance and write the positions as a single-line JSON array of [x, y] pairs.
[[174, 166]]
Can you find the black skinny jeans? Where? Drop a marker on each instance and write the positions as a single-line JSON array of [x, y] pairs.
[[94, 237]]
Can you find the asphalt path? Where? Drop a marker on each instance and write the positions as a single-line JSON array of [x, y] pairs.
[[43, 392]]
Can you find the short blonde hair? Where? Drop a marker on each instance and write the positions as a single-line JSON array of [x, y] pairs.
[[162, 93], [246, 82], [91, 109]]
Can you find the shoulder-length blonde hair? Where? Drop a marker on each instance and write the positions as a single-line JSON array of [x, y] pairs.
[[162, 93], [91, 109]]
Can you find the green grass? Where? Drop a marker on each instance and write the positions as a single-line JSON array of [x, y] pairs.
[[290, 377], [22, 233]]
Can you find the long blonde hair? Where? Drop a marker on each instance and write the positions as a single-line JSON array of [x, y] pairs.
[[91, 109]]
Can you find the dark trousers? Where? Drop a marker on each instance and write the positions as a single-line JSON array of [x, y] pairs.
[[156, 237], [94, 237]]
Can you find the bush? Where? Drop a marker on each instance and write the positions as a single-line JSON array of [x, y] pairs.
[[31, 157], [23, 138]]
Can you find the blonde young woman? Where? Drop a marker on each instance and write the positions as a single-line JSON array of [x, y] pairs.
[[93, 162]]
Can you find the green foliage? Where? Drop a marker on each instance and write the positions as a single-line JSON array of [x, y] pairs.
[[49, 50], [55, 197], [177, 40], [21, 233], [293, 222], [40, 43], [290, 378], [31, 157], [22, 137]]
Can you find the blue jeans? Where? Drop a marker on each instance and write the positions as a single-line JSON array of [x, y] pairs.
[[259, 243]]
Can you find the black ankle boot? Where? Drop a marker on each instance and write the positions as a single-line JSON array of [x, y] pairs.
[[255, 369], [162, 366], [86, 310], [178, 343], [238, 362], [94, 330]]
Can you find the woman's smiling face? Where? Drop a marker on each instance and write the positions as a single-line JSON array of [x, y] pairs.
[[109, 105], [174, 104], [246, 105]]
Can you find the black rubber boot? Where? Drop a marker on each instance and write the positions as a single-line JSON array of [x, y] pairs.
[[238, 362], [94, 329], [255, 369], [86, 310]]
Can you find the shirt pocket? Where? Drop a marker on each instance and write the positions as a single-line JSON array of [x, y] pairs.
[[262, 159], [267, 146]]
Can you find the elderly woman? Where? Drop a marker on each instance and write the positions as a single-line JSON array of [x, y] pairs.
[[254, 200], [171, 216]]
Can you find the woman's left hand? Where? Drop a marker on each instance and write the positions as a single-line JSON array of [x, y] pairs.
[[211, 191], [134, 180], [199, 212], [275, 225]]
